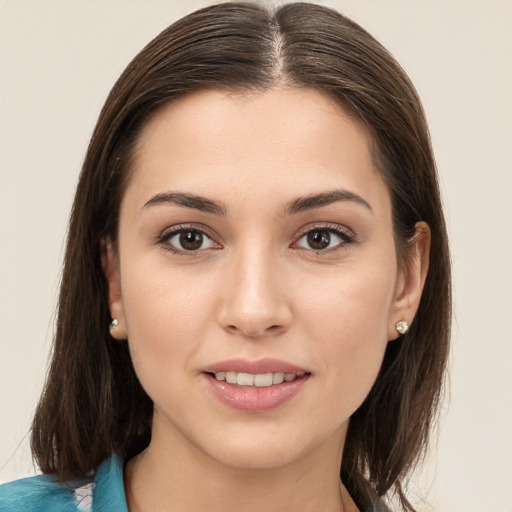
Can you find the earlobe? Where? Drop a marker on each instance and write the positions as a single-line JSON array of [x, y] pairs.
[[110, 264], [411, 280]]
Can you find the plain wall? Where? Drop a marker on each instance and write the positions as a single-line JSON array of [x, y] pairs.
[[58, 60]]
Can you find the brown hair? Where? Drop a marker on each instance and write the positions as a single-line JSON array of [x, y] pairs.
[[93, 405]]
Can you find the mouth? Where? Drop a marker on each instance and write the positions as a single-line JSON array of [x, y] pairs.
[[255, 386]]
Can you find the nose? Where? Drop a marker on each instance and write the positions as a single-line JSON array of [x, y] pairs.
[[255, 296]]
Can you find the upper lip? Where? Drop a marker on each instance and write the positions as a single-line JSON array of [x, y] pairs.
[[260, 366]]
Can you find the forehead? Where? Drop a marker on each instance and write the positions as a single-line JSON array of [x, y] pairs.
[[287, 140]]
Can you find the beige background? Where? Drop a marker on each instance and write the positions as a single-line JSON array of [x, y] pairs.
[[58, 60]]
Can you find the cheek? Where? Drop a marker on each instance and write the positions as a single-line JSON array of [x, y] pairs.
[[348, 318], [166, 314], [352, 305]]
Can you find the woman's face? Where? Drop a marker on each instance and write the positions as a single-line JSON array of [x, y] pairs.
[[256, 278]]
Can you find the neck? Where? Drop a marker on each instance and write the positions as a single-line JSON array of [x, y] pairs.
[[175, 476]]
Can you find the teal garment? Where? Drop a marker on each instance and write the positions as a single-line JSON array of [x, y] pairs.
[[44, 494]]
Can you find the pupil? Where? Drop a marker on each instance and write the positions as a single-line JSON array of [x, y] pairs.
[[319, 239], [191, 240]]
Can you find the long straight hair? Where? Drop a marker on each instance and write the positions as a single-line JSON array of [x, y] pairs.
[[93, 404]]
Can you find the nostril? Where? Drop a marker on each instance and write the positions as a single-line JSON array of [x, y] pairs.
[[253, 331]]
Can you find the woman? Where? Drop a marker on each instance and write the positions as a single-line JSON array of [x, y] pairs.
[[256, 294]]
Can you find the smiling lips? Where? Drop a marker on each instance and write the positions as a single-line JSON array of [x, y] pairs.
[[255, 386]]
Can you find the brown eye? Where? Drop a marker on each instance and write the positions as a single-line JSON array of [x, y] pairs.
[[187, 240], [324, 239], [318, 239], [191, 240]]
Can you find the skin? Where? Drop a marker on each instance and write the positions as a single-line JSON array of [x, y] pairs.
[[256, 288]]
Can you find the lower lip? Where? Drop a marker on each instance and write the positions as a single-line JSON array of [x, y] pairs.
[[252, 398]]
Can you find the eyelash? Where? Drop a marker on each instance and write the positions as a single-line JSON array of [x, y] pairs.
[[345, 235], [166, 236]]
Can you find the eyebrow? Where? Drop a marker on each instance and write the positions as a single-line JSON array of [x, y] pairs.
[[314, 201], [202, 204], [301, 204]]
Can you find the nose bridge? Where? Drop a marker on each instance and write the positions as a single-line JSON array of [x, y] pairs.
[[255, 301]]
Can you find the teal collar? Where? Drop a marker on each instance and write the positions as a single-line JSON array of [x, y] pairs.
[[109, 487], [43, 493]]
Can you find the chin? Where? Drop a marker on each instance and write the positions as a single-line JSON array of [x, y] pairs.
[[272, 450], [256, 459]]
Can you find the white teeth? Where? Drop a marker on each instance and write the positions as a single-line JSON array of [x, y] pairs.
[[260, 380], [278, 378], [263, 380], [231, 377], [245, 379]]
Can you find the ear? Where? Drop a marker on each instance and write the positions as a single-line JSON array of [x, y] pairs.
[[110, 264], [411, 279]]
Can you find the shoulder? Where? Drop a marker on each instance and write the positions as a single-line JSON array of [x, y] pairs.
[[44, 493]]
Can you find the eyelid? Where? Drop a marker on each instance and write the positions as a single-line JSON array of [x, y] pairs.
[[163, 238], [343, 232]]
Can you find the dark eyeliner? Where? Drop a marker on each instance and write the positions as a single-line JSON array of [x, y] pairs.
[[163, 239], [346, 235]]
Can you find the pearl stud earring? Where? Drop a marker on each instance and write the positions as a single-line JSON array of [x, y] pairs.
[[402, 327]]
